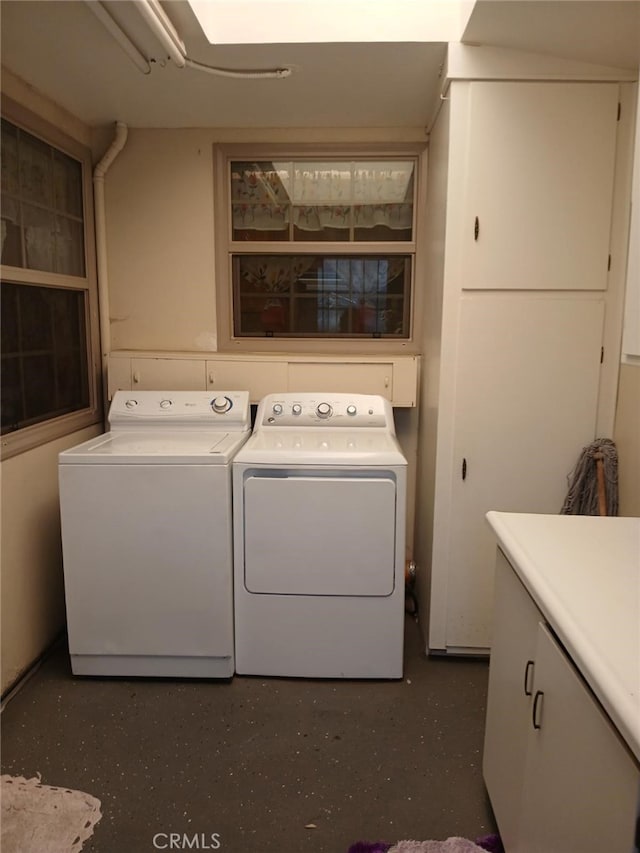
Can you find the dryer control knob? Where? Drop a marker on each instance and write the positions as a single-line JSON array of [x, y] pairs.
[[277, 408], [323, 410], [221, 404], [296, 409], [351, 410], [131, 404], [165, 404]]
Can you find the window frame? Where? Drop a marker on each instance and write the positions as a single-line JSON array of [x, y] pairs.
[[225, 248], [29, 437]]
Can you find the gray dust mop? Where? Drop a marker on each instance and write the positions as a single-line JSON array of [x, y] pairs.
[[593, 483]]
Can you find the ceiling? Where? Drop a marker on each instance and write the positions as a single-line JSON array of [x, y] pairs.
[[60, 48]]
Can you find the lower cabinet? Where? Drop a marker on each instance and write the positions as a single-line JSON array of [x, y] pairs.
[[509, 702], [559, 776]]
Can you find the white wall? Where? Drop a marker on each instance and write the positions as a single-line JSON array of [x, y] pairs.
[[627, 438], [431, 345], [160, 231], [32, 609], [627, 423], [159, 212]]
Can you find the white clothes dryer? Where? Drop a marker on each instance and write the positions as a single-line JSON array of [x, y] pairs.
[[147, 540], [319, 539]]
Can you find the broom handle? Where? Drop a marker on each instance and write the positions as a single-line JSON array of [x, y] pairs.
[[602, 495]]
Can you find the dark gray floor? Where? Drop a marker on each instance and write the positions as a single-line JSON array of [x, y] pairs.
[[256, 760]]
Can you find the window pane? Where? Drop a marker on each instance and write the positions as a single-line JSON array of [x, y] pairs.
[[11, 232], [35, 327], [9, 161], [321, 222], [12, 413], [260, 200], [44, 355], [36, 170], [9, 317], [67, 183], [322, 295], [322, 196], [69, 246], [383, 200], [39, 386], [39, 237]]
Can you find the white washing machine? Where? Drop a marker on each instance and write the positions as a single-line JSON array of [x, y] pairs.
[[319, 539], [147, 536]]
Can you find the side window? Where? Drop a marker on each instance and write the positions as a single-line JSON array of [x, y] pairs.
[[47, 337]]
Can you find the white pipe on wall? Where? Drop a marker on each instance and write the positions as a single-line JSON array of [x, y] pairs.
[[99, 172]]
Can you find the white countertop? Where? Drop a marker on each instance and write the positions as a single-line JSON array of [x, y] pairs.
[[583, 572]]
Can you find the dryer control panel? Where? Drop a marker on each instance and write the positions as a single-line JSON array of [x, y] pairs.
[[325, 409], [198, 409]]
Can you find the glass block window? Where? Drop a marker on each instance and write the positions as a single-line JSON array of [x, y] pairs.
[[42, 211], [322, 247], [44, 354]]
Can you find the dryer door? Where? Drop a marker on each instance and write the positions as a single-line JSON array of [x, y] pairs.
[[319, 535]]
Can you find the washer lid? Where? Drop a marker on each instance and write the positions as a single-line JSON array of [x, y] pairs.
[[160, 447], [322, 447]]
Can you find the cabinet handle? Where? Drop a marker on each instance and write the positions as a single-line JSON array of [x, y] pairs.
[[464, 469], [528, 668], [534, 713], [212, 377], [136, 376], [476, 229]]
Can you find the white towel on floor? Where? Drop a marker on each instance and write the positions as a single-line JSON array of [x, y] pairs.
[[38, 818], [451, 845]]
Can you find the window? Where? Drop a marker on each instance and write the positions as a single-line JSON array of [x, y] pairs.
[[316, 252], [48, 383]]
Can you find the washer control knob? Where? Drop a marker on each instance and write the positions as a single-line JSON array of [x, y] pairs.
[[296, 409], [277, 408], [323, 410], [165, 404], [131, 404], [351, 410], [221, 404]]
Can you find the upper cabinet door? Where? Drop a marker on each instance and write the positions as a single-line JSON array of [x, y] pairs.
[[539, 178]]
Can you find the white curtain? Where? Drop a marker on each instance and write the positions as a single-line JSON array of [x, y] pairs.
[[267, 196]]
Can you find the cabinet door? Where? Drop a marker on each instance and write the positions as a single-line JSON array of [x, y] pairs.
[[168, 374], [539, 178], [515, 630], [348, 378], [259, 378], [581, 783], [526, 403]]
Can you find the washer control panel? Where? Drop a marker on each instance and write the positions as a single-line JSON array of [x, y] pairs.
[[324, 409], [130, 409]]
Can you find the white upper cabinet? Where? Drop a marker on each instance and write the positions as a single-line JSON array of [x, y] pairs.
[[539, 185]]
